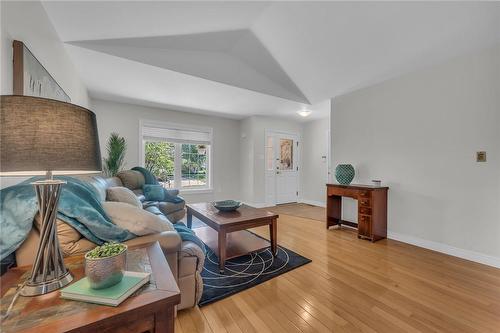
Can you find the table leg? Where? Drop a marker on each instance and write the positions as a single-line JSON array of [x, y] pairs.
[[273, 233], [222, 250], [164, 320], [189, 219]]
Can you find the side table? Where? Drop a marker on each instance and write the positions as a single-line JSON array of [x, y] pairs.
[[150, 309]]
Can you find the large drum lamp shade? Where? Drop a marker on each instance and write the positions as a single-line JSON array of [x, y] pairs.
[[40, 135]]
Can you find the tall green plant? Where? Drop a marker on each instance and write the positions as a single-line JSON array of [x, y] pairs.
[[116, 148]]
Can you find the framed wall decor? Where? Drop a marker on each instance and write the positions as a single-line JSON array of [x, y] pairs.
[[31, 78]]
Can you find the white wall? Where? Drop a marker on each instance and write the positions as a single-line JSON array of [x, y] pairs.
[[253, 153], [419, 134], [124, 120], [28, 22], [314, 161]]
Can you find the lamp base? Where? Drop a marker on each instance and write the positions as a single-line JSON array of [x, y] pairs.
[[34, 289], [49, 272]]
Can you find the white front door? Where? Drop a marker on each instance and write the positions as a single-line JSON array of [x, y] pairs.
[[282, 169]]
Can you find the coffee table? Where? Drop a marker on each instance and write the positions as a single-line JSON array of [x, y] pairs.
[[226, 233], [150, 309]]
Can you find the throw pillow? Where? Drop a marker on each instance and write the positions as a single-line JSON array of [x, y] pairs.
[[123, 194], [153, 192], [131, 179], [136, 220]]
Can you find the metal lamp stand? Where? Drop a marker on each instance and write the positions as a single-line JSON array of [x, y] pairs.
[[49, 272]]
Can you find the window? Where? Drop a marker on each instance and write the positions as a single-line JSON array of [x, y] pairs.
[[178, 155]]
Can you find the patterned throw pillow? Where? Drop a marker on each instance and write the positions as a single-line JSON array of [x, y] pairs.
[[153, 192]]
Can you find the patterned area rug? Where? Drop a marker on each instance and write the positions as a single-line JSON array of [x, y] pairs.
[[245, 272]]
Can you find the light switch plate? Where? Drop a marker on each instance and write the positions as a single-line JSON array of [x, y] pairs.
[[481, 156]]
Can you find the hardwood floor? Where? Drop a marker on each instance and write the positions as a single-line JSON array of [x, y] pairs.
[[354, 285], [300, 210]]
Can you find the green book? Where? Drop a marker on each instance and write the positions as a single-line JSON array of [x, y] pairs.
[[113, 296]]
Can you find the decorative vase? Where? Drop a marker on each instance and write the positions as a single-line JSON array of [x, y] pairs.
[[105, 272], [344, 173]]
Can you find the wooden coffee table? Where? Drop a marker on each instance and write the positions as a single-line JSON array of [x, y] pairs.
[[150, 309], [226, 233]]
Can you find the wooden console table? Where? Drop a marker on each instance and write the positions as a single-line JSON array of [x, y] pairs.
[[372, 209]]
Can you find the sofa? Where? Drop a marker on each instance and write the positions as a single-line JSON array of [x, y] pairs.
[[185, 258]]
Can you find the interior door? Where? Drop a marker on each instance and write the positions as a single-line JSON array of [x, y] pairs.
[[287, 169]]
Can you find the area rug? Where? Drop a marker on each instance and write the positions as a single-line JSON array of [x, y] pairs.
[[245, 272]]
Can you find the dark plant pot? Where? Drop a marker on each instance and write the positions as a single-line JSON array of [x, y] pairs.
[[344, 173], [105, 272]]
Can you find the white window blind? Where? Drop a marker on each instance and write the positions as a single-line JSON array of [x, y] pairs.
[[173, 133]]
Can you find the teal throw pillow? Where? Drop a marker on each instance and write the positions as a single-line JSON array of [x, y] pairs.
[[153, 192]]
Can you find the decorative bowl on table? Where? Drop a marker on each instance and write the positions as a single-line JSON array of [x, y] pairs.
[[227, 205], [105, 264]]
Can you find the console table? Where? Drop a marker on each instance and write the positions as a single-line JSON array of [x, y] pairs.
[[372, 209]]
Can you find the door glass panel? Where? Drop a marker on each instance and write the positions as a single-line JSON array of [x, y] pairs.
[[286, 154]]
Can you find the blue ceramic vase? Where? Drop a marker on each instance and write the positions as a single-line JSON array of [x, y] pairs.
[[344, 173]]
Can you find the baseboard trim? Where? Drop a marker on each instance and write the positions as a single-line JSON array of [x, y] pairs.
[[447, 249], [313, 202]]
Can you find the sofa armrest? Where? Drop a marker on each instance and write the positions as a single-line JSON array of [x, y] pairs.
[[190, 249], [169, 241]]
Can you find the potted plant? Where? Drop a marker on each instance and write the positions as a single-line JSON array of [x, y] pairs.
[[105, 264], [116, 148]]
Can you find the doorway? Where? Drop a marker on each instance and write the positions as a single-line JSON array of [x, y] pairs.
[[281, 167]]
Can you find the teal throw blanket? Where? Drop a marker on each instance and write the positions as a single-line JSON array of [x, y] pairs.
[[188, 235], [170, 195], [79, 206]]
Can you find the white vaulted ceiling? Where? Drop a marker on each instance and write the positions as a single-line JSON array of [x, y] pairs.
[[233, 57], [256, 58]]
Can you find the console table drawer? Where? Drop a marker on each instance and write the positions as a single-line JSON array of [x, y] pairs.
[[365, 210], [365, 218], [364, 194], [364, 226], [341, 192], [365, 202]]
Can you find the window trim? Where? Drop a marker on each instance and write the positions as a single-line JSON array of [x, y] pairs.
[[177, 168]]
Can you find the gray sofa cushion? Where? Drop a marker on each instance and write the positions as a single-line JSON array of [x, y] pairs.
[[173, 211], [170, 207], [176, 216]]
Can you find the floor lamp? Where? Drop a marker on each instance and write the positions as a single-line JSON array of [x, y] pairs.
[[41, 136]]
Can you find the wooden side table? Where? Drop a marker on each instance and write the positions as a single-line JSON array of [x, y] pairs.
[[150, 309]]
